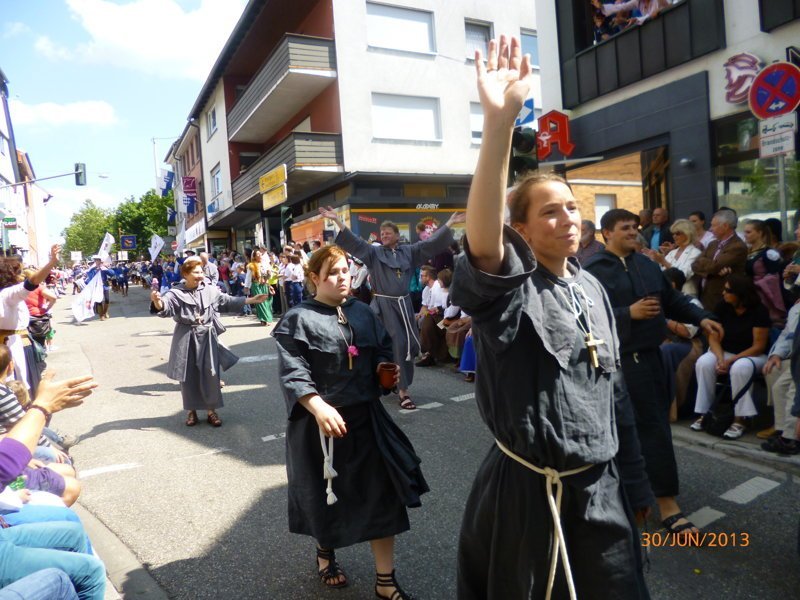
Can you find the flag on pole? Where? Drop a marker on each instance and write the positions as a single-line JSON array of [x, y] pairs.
[[165, 182], [83, 304], [170, 216], [105, 247], [156, 244]]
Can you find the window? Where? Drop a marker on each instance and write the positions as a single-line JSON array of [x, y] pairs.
[[400, 28], [478, 36], [602, 204], [246, 159], [211, 121], [405, 118], [216, 182], [475, 122], [530, 45]]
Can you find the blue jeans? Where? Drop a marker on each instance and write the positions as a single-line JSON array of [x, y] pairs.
[[48, 584], [25, 549]]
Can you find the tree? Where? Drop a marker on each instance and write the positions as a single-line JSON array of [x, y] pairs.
[[143, 218], [86, 229]]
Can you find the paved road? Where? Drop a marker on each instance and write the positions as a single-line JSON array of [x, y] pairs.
[[205, 509]]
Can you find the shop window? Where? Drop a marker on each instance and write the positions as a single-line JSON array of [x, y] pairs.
[[457, 193], [530, 45], [475, 122], [379, 190], [478, 35], [399, 28], [405, 118]]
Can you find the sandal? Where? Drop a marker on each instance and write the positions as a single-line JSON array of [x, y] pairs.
[[406, 403], [332, 576], [214, 420], [669, 524], [191, 420], [384, 580]]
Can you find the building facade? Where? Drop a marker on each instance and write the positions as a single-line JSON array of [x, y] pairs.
[[384, 124], [673, 91]]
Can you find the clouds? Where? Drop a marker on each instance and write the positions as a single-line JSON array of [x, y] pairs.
[[89, 112], [155, 37], [14, 28]]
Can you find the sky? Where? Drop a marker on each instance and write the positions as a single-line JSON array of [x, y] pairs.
[[109, 83]]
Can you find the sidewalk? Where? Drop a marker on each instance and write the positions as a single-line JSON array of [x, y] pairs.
[[747, 447]]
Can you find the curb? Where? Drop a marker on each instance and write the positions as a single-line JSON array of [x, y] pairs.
[[129, 577], [747, 450]]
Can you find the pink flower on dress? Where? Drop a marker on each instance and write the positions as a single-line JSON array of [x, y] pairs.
[[352, 351]]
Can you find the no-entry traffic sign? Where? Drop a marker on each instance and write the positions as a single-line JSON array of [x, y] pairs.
[[174, 245], [775, 90]]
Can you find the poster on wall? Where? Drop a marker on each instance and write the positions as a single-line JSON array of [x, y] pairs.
[[366, 223]]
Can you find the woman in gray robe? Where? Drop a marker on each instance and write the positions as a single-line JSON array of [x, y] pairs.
[[196, 356]]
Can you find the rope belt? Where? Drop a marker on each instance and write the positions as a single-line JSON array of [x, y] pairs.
[[328, 472], [559, 544], [406, 321]]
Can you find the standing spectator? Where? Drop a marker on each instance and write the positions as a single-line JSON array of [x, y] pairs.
[[764, 265], [683, 256], [658, 234], [738, 353], [703, 236], [588, 245], [726, 255], [645, 218], [225, 274], [210, 270], [294, 276], [257, 283], [642, 298]]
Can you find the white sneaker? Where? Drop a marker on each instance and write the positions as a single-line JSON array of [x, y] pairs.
[[734, 432], [697, 425]]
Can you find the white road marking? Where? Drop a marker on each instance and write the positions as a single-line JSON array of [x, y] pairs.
[[109, 469], [749, 490], [429, 405], [244, 387], [259, 358], [209, 453], [705, 516], [463, 397], [277, 436]]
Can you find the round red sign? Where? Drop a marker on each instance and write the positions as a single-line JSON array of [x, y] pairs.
[[174, 245], [775, 90]]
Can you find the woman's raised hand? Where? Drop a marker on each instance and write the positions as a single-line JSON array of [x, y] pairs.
[[505, 81]]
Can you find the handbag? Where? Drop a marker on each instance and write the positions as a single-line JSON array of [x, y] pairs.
[[722, 412]]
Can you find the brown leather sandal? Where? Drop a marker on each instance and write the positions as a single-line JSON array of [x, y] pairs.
[[214, 420], [332, 576], [191, 419]]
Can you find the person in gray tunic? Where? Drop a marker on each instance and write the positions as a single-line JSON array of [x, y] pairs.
[[391, 267], [196, 356], [551, 511], [330, 349]]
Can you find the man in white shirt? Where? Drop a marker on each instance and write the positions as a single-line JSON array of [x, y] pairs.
[[427, 276]]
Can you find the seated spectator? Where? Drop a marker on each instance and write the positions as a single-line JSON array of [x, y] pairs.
[[724, 256], [468, 359], [782, 438], [47, 584], [764, 265], [433, 340], [429, 279], [741, 350], [682, 256], [644, 9], [456, 335], [588, 245]]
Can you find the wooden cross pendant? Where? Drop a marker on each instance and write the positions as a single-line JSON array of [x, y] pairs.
[[350, 360], [591, 345], [399, 273]]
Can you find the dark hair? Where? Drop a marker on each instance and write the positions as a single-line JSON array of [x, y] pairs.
[[764, 231], [294, 259], [776, 227], [10, 271], [590, 224], [617, 215], [519, 199], [744, 289], [699, 214], [675, 277], [391, 226], [445, 277], [430, 270], [5, 357]]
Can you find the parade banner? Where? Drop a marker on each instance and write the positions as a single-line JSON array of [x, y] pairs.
[[156, 244], [83, 305], [105, 247]]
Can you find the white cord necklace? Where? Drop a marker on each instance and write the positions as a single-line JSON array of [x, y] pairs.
[[579, 304]]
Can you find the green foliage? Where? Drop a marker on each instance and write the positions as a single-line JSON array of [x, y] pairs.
[[142, 218], [86, 229]]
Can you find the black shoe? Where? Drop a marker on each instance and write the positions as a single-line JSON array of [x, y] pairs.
[[426, 361], [781, 445]]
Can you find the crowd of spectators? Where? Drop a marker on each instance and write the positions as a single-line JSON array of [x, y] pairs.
[[610, 17]]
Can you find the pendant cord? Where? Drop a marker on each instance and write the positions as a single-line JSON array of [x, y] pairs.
[[579, 304]]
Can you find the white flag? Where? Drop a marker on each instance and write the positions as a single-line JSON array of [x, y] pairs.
[[156, 244], [83, 305], [105, 247]]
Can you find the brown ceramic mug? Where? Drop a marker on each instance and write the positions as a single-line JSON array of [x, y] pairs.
[[386, 375]]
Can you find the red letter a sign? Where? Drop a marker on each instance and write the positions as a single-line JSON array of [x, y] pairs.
[[553, 131]]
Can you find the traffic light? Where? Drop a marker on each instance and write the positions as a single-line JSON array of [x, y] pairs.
[[80, 174], [523, 152]]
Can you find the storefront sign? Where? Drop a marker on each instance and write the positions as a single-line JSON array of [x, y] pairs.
[[272, 178], [740, 71], [195, 231], [189, 186], [10, 222], [553, 131], [775, 90], [274, 197], [427, 206]]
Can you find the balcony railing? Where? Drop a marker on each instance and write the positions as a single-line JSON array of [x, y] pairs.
[[296, 72]]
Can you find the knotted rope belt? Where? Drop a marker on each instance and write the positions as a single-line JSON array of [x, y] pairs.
[[559, 544], [406, 321]]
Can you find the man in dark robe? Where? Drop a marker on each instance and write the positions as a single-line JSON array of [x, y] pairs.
[[391, 267], [641, 297]]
